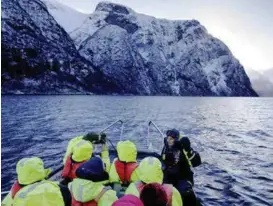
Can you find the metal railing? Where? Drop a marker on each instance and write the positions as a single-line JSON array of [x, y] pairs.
[[58, 169]]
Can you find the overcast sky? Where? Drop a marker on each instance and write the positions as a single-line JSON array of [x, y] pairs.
[[246, 26]]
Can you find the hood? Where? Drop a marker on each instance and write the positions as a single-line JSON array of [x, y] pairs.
[[173, 133], [127, 151], [85, 190], [150, 170], [128, 200], [93, 169], [82, 151], [30, 170]]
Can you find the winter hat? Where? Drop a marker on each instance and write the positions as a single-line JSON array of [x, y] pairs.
[[93, 170], [173, 133]]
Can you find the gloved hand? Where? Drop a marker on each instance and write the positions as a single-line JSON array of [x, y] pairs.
[[95, 138], [186, 143], [91, 137]]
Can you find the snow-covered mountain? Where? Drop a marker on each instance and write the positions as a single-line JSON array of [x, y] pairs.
[[67, 17], [119, 51], [260, 83], [38, 56], [146, 55]]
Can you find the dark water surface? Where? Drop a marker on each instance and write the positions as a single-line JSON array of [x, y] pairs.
[[233, 135]]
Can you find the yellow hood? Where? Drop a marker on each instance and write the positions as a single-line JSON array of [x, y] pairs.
[[82, 151], [85, 190], [30, 170], [70, 146], [150, 170], [127, 151]]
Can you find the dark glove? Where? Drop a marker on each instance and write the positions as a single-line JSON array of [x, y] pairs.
[[186, 143], [91, 137], [95, 138]]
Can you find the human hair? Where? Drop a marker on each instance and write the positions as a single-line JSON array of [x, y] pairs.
[[153, 194]]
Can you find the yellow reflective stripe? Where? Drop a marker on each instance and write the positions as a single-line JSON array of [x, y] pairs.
[[192, 157], [22, 162], [187, 157], [104, 190], [29, 189], [150, 160], [80, 193], [80, 143]]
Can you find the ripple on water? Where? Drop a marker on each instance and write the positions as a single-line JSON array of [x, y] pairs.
[[233, 136]]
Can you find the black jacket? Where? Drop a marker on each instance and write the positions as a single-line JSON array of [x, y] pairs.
[[176, 164]]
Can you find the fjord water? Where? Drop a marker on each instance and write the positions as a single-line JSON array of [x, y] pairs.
[[233, 135]]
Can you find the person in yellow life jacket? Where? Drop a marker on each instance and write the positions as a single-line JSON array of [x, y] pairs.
[[150, 172], [31, 188], [124, 169], [81, 152], [94, 138], [88, 189]]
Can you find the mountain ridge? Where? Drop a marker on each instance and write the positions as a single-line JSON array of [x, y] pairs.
[[121, 51]]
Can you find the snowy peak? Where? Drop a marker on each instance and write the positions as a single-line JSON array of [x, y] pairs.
[[113, 8], [147, 55], [67, 17], [119, 50]]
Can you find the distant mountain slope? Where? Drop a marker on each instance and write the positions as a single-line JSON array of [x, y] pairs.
[[260, 83], [269, 74], [67, 17]]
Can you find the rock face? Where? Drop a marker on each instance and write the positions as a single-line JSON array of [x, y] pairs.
[[117, 51], [38, 56], [150, 56]]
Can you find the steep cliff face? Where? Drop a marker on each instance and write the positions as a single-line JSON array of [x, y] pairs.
[[38, 56], [145, 55], [117, 51]]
